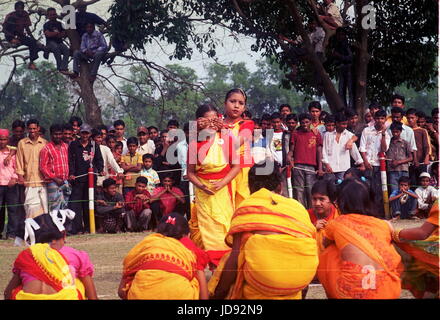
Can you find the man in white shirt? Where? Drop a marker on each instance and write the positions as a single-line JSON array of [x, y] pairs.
[[335, 154], [146, 145], [107, 156], [375, 139]]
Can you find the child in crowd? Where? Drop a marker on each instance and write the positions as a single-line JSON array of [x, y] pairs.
[[137, 206], [276, 144], [329, 124], [399, 154], [316, 124], [423, 145], [168, 196], [116, 147], [132, 164], [305, 156], [291, 122], [323, 209], [147, 276], [259, 149], [109, 208], [284, 110], [427, 195], [403, 201], [148, 172]]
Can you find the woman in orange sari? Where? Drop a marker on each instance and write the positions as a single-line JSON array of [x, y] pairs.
[[235, 105], [211, 171], [421, 274], [49, 270], [165, 266], [274, 252], [359, 260]]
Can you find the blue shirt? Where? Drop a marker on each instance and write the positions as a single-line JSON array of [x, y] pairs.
[[397, 192], [94, 42]]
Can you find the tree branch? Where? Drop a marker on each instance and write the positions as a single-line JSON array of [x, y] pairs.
[[3, 91]]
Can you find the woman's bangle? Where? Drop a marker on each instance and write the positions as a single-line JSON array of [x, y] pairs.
[[395, 235]]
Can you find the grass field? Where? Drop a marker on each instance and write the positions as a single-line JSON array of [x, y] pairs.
[[107, 253]]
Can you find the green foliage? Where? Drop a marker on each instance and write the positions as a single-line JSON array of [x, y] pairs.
[[148, 104], [424, 100], [179, 100], [403, 46], [42, 94]]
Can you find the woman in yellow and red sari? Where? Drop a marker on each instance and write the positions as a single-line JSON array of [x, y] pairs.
[[235, 105], [359, 260], [211, 171], [49, 270], [166, 265], [421, 274], [274, 252]]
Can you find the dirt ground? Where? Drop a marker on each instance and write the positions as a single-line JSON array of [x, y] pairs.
[[108, 251]]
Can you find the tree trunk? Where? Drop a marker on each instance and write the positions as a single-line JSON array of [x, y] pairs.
[[334, 101], [92, 108], [361, 61]]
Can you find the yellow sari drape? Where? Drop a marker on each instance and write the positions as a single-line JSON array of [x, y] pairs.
[[160, 268], [48, 265], [271, 266], [211, 217]]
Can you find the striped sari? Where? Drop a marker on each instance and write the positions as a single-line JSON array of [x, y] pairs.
[[271, 266], [160, 268], [51, 267], [211, 216]]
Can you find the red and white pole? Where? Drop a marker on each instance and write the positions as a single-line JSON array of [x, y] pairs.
[[289, 181], [91, 200], [383, 178]]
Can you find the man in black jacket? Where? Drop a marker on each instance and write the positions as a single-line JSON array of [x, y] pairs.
[[81, 153]]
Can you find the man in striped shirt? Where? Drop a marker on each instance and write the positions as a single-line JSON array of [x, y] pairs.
[[54, 166]]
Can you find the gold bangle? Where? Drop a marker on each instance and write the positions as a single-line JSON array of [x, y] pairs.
[[395, 235]]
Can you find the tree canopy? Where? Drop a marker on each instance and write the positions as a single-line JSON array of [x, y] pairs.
[[401, 49]]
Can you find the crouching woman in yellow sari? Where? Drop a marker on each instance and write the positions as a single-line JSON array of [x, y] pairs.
[[274, 252], [211, 171], [359, 260], [49, 270], [165, 266], [421, 274]]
